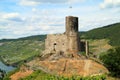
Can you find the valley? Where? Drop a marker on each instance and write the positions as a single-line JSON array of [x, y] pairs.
[[19, 51]]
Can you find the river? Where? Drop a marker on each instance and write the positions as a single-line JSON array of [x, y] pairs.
[[5, 67]]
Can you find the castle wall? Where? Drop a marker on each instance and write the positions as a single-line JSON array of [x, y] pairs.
[[68, 42], [56, 42]]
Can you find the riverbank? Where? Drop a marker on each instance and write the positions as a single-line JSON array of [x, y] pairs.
[[18, 63], [6, 68]]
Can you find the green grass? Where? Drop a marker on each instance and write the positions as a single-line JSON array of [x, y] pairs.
[[40, 75]]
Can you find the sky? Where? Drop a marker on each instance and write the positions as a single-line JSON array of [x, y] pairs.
[[21, 18]]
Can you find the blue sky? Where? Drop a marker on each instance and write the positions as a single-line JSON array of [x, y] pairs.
[[20, 18]]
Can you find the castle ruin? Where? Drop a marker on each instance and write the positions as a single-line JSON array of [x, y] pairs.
[[60, 56], [68, 42]]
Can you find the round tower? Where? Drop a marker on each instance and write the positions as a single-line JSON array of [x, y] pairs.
[[71, 24], [72, 34]]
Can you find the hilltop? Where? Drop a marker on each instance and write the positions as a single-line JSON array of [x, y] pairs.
[[28, 45], [24, 49], [32, 38], [62, 54]]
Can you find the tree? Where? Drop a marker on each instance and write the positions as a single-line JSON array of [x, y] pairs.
[[111, 60]]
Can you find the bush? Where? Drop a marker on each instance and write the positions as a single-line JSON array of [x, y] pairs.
[[111, 60], [40, 75]]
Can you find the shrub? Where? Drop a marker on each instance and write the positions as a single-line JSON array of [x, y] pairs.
[[40, 75], [111, 60]]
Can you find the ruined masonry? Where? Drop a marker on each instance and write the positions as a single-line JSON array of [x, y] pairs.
[[60, 56], [68, 42]]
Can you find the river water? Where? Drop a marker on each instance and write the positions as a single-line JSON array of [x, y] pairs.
[[5, 67]]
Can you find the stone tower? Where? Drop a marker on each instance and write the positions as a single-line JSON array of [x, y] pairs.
[[64, 43], [72, 34], [60, 56]]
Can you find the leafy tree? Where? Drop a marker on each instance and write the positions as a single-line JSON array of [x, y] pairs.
[[111, 59]]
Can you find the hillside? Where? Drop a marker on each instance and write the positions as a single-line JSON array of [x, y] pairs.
[[16, 50], [32, 38], [110, 32]]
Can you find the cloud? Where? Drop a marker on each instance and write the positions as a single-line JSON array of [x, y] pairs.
[[34, 10], [12, 17], [29, 2], [45, 19], [37, 2], [110, 4], [41, 23], [98, 20]]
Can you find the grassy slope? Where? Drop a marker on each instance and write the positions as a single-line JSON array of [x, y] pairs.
[[16, 50], [40, 75], [111, 32]]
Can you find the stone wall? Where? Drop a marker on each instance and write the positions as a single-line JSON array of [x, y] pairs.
[[56, 42], [69, 42]]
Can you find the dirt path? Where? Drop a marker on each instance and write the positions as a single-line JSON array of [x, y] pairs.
[[87, 66]]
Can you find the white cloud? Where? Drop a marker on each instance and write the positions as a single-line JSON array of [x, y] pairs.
[[39, 20], [34, 10], [41, 23], [110, 3], [37, 2], [99, 20], [12, 17], [28, 3]]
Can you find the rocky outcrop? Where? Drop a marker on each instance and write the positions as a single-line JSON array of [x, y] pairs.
[[70, 67]]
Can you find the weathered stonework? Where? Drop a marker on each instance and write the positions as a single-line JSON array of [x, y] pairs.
[[69, 42], [72, 34], [60, 56], [56, 42]]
